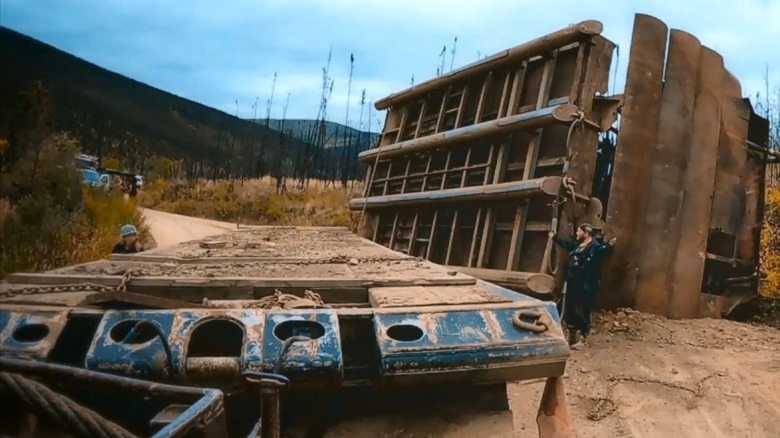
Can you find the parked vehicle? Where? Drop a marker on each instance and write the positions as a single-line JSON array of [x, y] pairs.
[[91, 177]]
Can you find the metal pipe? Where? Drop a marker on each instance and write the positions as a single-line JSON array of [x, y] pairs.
[[763, 150], [564, 113], [495, 192]]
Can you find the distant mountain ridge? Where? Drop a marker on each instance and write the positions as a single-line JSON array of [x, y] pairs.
[[113, 115], [336, 134]]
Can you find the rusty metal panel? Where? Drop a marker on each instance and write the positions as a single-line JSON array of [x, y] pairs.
[[635, 144], [524, 115], [662, 218], [689, 260], [728, 205]]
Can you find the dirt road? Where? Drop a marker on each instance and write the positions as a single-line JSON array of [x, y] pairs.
[[641, 376], [644, 377], [169, 229]]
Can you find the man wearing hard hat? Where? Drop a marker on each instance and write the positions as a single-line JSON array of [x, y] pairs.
[[128, 242]]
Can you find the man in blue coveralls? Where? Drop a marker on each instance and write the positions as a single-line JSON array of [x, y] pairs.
[[583, 277]]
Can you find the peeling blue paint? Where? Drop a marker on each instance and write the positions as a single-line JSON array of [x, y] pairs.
[[466, 340], [38, 349], [320, 358]]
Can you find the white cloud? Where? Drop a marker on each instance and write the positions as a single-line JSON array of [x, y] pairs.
[[219, 52]]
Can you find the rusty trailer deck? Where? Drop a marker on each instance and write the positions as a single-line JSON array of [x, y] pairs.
[[372, 319]]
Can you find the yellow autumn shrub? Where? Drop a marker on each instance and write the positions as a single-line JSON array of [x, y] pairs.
[[770, 243]]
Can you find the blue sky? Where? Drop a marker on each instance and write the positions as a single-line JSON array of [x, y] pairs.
[[217, 52]]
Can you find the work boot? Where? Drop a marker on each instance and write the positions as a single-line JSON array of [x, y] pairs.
[[580, 344], [572, 337]]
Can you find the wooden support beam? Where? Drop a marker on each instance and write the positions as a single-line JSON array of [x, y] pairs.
[[482, 96], [440, 279], [442, 109], [459, 115], [116, 300], [453, 232], [432, 235], [523, 281], [579, 32], [474, 235], [495, 192], [530, 120], [670, 159]]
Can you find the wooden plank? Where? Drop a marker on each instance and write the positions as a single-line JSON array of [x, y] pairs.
[[459, 116], [442, 109], [435, 279], [536, 282], [495, 192], [498, 162], [387, 177], [482, 95], [698, 186], [393, 231], [504, 95], [140, 258], [517, 89], [635, 144], [432, 235], [475, 233], [117, 299], [383, 297], [405, 179], [420, 119], [413, 235], [662, 220], [453, 231]]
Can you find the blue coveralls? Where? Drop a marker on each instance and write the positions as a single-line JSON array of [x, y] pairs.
[[583, 277]]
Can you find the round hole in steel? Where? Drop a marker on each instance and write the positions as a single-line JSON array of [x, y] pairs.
[[295, 327], [121, 329], [216, 338], [405, 332], [30, 333]]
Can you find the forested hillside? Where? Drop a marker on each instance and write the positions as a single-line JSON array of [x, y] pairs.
[[112, 115]]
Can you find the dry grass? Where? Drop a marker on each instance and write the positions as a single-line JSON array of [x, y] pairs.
[[254, 201]]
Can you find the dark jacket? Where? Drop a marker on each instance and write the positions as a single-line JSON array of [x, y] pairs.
[[120, 248], [584, 268]]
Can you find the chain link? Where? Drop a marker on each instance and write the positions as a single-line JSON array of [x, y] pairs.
[[606, 406], [60, 288], [279, 300], [350, 260]]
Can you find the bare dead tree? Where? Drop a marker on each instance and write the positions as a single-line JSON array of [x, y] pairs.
[[452, 59], [347, 142]]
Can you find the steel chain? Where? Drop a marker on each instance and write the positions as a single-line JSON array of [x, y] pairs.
[[281, 300], [348, 260], [60, 288]]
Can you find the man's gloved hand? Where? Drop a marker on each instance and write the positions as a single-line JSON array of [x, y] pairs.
[[612, 241]]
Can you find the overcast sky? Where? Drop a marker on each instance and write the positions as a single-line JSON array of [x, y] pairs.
[[219, 51]]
